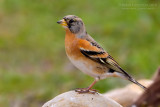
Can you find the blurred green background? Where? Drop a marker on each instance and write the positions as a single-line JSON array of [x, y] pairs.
[[33, 64]]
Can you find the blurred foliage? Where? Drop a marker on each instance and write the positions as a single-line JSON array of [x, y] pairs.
[[33, 64]]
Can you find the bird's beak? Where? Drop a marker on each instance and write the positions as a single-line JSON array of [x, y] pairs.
[[62, 22]]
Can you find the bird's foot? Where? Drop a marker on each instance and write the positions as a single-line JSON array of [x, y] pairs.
[[85, 90]]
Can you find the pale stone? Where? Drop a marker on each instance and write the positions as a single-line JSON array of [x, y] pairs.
[[127, 95], [74, 99]]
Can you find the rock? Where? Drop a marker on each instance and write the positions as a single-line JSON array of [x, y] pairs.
[[127, 95], [151, 97], [74, 99]]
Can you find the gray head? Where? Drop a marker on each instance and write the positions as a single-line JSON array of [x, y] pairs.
[[73, 23]]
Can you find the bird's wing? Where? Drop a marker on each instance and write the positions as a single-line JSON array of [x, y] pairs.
[[92, 50]]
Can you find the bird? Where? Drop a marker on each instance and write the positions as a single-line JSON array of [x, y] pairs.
[[88, 56]]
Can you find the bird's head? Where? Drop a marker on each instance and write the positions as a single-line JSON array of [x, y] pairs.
[[73, 23]]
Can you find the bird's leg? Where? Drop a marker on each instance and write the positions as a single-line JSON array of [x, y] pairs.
[[92, 84], [87, 90]]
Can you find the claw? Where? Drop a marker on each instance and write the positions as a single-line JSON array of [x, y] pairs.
[[85, 90]]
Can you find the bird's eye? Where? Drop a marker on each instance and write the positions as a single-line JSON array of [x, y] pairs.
[[71, 21]]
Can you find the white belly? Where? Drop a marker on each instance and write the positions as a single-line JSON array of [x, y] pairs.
[[84, 67]]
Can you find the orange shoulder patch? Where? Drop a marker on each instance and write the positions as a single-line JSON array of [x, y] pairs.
[[84, 44]]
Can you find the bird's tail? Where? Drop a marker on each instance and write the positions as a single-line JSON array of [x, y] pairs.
[[137, 83], [125, 75]]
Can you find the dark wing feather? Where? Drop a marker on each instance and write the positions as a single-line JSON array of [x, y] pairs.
[[93, 55], [106, 61]]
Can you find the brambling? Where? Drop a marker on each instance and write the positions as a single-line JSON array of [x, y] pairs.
[[87, 55]]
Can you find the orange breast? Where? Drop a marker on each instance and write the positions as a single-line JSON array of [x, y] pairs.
[[71, 45]]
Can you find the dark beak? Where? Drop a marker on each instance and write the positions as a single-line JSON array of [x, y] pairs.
[[62, 22], [59, 22]]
